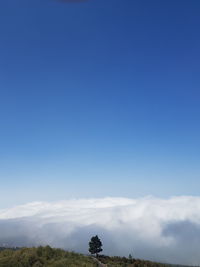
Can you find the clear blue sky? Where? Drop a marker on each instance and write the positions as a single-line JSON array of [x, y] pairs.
[[99, 98]]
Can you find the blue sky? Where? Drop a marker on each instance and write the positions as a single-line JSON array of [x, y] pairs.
[[99, 98]]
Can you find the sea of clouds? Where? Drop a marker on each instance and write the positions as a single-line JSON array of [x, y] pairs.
[[166, 230]]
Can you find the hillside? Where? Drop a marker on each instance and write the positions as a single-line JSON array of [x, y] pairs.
[[43, 256], [49, 257], [125, 262]]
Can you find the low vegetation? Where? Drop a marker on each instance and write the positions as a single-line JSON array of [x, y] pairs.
[[43, 256], [49, 257], [127, 262]]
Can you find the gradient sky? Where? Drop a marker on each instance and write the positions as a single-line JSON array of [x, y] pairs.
[[99, 98]]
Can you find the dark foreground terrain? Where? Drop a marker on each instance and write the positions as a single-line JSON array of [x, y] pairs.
[[125, 262], [49, 257]]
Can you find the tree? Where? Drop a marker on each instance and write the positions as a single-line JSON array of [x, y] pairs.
[[95, 245]]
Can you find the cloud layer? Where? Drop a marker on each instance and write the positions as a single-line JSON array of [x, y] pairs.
[[166, 230]]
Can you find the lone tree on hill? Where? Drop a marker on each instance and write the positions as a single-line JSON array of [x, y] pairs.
[[95, 245]]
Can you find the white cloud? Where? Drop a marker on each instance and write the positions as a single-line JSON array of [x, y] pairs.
[[158, 229]]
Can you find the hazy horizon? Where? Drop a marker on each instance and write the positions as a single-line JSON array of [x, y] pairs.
[[162, 230]]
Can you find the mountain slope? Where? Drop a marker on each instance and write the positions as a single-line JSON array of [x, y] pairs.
[[43, 256], [49, 257]]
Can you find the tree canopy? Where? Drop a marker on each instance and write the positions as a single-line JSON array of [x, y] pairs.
[[95, 245]]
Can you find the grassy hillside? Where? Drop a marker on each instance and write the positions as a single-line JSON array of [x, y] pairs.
[[125, 262], [43, 256], [48, 257]]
